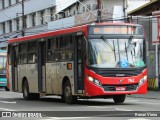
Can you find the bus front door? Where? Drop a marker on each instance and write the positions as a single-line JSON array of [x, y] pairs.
[[41, 66], [79, 64], [14, 69]]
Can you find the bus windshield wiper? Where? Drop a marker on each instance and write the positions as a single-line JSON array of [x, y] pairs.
[[130, 39], [106, 41], [113, 49]]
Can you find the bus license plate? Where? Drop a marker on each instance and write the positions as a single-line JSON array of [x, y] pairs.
[[120, 88]]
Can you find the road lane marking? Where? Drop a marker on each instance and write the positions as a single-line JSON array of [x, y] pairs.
[[149, 103], [100, 107], [64, 118], [133, 100], [14, 102], [138, 119], [120, 109], [6, 109]]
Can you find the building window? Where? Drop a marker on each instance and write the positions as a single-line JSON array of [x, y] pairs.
[[9, 2], [10, 26], [95, 7], [74, 12], [89, 7], [3, 4], [83, 9], [52, 12], [42, 17], [34, 19], [17, 23], [3, 25], [66, 14], [17, 1], [25, 21]]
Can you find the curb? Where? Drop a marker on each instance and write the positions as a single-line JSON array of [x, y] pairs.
[[143, 97]]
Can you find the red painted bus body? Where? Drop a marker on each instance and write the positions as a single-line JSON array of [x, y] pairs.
[[111, 86]]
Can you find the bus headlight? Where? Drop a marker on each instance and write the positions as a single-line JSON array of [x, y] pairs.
[[142, 80], [95, 81]]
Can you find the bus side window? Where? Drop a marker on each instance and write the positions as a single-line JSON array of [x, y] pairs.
[[52, 49], [66, 48], [22, 53], [32, 52]]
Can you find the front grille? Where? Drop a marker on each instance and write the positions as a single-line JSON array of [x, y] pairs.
[[119, 73], [113, 87]]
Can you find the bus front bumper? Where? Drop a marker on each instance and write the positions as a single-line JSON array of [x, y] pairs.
[[95, 90]]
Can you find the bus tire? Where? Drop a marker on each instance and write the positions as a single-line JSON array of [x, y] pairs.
[[6, 88], [26, 94], [119, 98], [68, 97]]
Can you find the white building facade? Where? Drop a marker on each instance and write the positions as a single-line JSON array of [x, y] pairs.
[[37, 13]]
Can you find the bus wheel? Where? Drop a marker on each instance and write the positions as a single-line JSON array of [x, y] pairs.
[[119, 98], [6, 88], [68, 97], [26, 93]]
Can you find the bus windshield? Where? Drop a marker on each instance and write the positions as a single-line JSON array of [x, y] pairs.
[[115, 53], [2, 64]]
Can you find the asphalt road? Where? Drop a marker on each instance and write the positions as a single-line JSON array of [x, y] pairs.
[[52, 108]]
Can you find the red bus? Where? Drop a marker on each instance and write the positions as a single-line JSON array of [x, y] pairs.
[[104, 60]]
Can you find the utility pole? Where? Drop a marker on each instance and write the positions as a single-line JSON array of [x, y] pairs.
[[99, 11], [23, 20]]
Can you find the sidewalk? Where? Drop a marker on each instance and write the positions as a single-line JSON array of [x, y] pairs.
[[150, 95]]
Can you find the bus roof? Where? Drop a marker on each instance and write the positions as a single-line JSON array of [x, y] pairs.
[[118, 23], [82, 28], [50, 33]]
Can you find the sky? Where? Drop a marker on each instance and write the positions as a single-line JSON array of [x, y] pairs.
[[61, 4]]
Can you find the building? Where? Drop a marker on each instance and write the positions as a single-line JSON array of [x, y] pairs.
[[85, 11], [108, 7], [148, 16], [43, 17], [37, 14]]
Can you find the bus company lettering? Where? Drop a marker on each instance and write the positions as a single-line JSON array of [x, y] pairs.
[[25, 114]]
